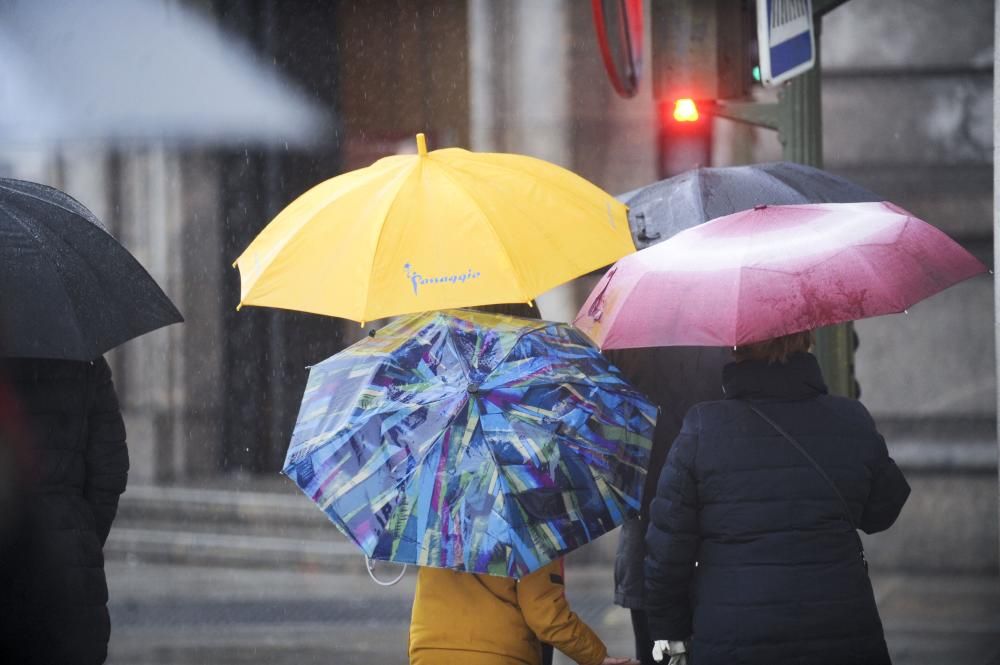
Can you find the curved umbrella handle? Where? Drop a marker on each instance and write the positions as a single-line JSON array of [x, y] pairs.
[[371, 574], [596, 310]]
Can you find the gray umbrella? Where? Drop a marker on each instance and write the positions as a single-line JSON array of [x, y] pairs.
[[664, 208], [67, 288]]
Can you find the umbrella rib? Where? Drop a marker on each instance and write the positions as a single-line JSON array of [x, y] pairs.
[[381, 230], [83, 211], [702, 191], [501, 478], [489, 223], [354, 427], [570, 195], [541, 325], [290, 235], [33, 233], [548, 181], [619, 309], [739, 289], [427, 452]]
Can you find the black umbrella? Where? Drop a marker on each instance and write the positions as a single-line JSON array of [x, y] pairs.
[[664, 208], [67, 288]]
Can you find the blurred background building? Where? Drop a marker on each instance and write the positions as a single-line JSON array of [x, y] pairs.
[[327, 86]]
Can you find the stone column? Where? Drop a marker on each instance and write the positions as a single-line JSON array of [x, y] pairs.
[[519, 78], [152, 366], [520, 91], [996, 193]]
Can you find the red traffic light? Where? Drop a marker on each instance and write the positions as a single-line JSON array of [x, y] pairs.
[[685, 110]]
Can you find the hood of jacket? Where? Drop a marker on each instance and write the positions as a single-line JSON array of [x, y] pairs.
[[798, 378]]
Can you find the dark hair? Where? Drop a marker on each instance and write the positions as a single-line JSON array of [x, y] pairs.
[[521, 309], [776, 349]]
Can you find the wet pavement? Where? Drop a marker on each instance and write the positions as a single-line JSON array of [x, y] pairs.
[[186, 615]]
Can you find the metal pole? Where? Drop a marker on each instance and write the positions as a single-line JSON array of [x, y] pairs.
[[801, 134]]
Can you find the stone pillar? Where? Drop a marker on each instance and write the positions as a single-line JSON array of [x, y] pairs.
[[205, 268], [521, 99], [519, 79], [996, 197], [486, 26], [152, 366]]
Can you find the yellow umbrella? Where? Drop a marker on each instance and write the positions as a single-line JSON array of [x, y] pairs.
[[435, 230]]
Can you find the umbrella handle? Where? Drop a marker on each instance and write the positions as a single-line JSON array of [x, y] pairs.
[[596, 310], [371, 574]]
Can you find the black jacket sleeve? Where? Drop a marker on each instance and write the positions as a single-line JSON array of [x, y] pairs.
[[107, 454], [673, 540], [889, 491]]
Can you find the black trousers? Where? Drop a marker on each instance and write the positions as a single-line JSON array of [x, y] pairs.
[[643, 641]]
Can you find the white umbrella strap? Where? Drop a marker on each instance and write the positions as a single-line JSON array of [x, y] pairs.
[[371, 574]]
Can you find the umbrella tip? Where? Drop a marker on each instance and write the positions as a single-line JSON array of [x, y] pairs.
[[239, 306], [421, 144]]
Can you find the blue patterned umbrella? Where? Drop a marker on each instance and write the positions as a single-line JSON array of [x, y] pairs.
[[471, 441]]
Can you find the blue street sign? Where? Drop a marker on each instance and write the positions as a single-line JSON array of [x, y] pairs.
[[786, 39]]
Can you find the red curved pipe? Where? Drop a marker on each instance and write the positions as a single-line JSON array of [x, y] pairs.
[[631, 37]]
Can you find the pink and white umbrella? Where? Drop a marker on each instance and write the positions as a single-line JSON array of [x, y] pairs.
[[772, 271]]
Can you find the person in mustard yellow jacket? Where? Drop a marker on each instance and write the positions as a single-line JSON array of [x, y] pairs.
[[469, 619]]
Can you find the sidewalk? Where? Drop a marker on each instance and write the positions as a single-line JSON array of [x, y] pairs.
[[231, 575], [181, 615]]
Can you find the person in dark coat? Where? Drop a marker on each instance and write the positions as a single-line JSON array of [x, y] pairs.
[[674, 379], [58, 593], [751, 556], [15, 484]]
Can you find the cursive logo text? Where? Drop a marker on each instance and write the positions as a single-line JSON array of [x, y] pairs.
[[417, 280]]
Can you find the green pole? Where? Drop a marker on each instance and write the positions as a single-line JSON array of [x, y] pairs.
[[798, 119], [800, 130]]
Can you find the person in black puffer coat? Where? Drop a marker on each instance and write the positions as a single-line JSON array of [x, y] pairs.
[[54, 603], [750, 554], [675, 379]]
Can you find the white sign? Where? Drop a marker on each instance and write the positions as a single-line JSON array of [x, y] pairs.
[[786, 39]]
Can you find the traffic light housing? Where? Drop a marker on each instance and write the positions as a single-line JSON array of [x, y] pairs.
[[685, 136], [701, 52], [702, 49]]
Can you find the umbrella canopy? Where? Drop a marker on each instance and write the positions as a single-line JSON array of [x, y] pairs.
[[67, 288], [470, 441], [128, 70], [448, 228], [665, 208], [772, 271]]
